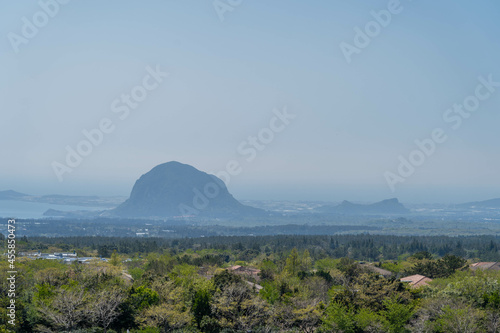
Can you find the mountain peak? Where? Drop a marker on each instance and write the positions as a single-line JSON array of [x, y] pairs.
[[175, 189]]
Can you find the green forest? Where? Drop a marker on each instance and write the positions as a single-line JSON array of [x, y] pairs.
[[340, 283]]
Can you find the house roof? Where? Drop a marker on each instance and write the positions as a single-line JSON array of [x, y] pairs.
[[416, 281], [376, 269], [243, 269], [492, 266], [258, 287]]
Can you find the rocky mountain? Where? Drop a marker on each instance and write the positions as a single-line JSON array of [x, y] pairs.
[[176, 189], [389, 206]]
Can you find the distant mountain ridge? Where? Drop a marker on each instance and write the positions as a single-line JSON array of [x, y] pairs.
[[389, 206], [57, 199], [176, 189], [491, 203], [12, 195]]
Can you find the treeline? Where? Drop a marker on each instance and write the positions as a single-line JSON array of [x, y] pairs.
[[207, 291], [174, 228], [358, 247]]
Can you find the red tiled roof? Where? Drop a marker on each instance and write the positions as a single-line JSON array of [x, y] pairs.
[[417, 280], [486, 266]]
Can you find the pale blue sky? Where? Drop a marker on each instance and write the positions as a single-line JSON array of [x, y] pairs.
[[225, 78]]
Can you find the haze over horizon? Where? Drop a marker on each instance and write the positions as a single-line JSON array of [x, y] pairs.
[[351, 120], [326, 194]]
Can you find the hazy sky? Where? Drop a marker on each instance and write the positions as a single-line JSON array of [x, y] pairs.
[[353, 119]]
